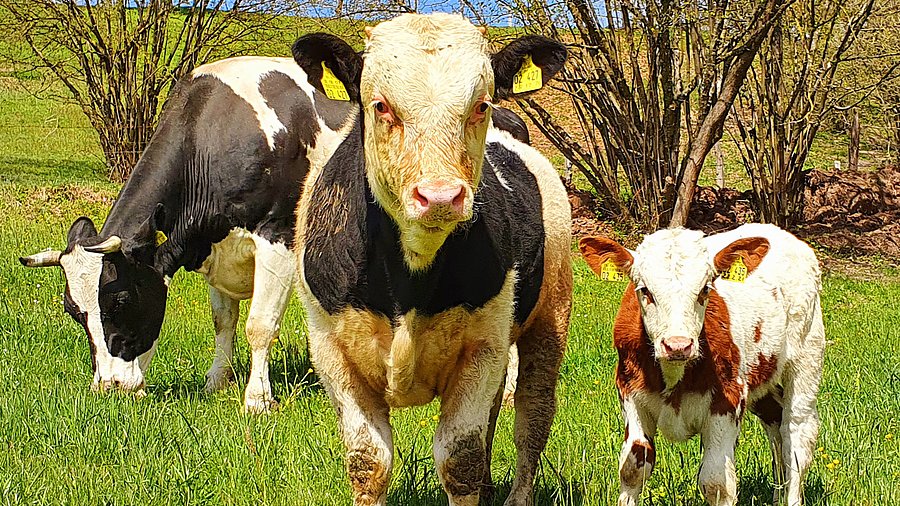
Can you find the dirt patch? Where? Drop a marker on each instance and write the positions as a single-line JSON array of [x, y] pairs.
[[849, 215]]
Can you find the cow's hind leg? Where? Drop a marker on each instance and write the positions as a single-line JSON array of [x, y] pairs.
[[274, 271], [769, 410], [800, 424], [487, 485], [460, 449], [225, 312], [541, 351]]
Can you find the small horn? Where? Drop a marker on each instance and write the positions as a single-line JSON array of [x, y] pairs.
[[48, 258], [110, 245]]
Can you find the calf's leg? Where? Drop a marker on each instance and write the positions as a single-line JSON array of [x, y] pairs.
[[460, 442], [800, 424], [225, 312], [274, 271], [638, 456], [541, 351], [718, 478]]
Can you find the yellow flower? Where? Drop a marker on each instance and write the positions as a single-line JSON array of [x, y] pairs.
[[825, 456], [830, 466], [309, 371], [836, 462], [596, 382], [820, 449], [423, 423], [889, 436], [436, 417]]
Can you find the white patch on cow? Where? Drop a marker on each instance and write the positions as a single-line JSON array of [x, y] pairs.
[[243, 75], [230, 264], [503, 182], [83, 269]]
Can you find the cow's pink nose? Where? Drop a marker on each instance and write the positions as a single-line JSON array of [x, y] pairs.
[[678, 347], [440, 196]]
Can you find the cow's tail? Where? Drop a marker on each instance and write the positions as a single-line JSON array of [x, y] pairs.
[[402, 362]]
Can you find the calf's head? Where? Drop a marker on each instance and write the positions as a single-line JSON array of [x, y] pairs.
[[426, 86], [115, 293], [672, 272]]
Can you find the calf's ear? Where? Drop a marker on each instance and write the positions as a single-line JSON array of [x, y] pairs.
[[751, 250], [313, 50], [599, 250], [142, 245], [515, 66]]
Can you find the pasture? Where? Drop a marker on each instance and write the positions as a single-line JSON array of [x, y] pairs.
[[63, 444]]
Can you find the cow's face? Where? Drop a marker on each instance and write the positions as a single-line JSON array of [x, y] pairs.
[[426, 86], [119, 301], [673, 273]]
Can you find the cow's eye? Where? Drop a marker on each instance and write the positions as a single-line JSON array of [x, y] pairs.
[[703, 296], [644, 292], [479, 111], [382, 109]]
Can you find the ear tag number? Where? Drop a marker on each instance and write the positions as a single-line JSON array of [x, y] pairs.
[[160, 238], [528, 78], [737, 272], [610, 272], [334, 88]]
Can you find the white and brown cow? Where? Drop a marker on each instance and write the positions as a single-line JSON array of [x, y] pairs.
[[427, 244], [696, 349]]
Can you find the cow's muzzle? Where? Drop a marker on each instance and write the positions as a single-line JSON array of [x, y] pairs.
[[440, 202]]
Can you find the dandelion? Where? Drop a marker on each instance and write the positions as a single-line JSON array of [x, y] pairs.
[[820, 449], [309, 371], [423, 423], [889, 436], [596, 382], [436, 417], [836, 462], [830, 466], [825, 456]]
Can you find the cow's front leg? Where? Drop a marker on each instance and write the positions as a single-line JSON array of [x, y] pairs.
[[225, 312], [460, 451], [718, 478], [363, 419], [274, 271], [638, 454]]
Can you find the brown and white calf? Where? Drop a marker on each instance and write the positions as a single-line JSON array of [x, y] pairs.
[[696, 350], [428, 243]]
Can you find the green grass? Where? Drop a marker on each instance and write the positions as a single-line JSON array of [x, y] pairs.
[[62, 444]]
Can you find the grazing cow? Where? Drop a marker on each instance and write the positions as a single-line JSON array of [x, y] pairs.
[[214, 192], [427, 244], [708, 327]]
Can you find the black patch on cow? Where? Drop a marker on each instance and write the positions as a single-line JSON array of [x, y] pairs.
[[353, 257], [508, 121]]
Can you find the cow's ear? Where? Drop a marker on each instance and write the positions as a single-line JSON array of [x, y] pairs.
[[525, 65], [83, 228], [599, 250], [751, 251], [149, 236], [319, 54]]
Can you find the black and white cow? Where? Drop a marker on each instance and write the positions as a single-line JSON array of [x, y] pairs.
[[219, 182], [428, 243], [214, 192]]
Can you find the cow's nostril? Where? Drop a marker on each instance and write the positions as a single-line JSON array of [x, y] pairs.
[[439, 195], [420, 199]]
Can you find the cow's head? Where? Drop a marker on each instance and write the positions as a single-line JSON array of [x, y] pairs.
[[672, 272], [426, 86], [115, 293]]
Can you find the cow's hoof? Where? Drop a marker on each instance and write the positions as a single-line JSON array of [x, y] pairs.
[[260, 406], [218, 380]]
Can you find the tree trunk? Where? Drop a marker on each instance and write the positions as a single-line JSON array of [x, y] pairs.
[[853, 157], [720, 166]]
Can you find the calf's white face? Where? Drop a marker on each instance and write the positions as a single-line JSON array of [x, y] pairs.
[[672, 272], [426, 86]]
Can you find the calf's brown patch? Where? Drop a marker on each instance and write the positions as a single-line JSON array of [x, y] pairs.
[[762, 371]]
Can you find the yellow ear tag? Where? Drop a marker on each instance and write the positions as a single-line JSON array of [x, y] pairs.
[[160, 238], [610, 272], [334, 88], [528, 78], [737, 272]]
